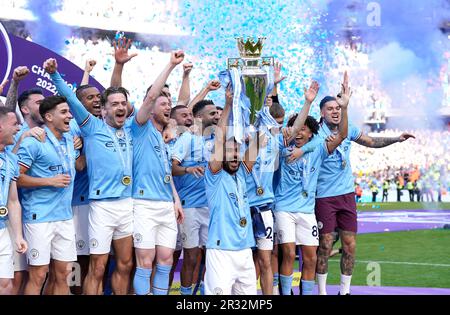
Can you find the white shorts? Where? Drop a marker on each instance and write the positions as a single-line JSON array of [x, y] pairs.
[[266, 243], [6, 255], [47, 240], [81, 222], [194, 230], [109, 220], [298, 228], [154, 224], [20, 260], [230, 272]]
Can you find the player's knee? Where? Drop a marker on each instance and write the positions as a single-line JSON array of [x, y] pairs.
[[97, 270], [124, 266], [5, 286], [349, 245], [289, 256], [38, 276], [310, 261], [62, 277], [264, 263]]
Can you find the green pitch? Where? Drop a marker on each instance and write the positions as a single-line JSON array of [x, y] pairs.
[[408, 259], [386, 206]]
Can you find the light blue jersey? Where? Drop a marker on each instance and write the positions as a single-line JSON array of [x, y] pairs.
[[296, 191], [192, 150], [230, 223], [151, 163], [47, 204], [81, 184], [262, 174], [109, 152], [336, 176], [9, 171]]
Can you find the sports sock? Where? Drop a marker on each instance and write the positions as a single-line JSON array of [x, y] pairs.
[[141, 281], [161, 280], [286, 284], [307, 287], [186, 290], [322, 282], [345, 284]]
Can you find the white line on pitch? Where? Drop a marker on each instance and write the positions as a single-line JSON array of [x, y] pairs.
[[397, 263]]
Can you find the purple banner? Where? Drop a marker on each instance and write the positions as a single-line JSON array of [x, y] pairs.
[[15, 52]]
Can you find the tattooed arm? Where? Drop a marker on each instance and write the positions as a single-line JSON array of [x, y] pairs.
[[381, 142]]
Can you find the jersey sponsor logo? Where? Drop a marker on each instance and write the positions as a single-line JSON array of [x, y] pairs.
[[56, 168], [122, 144], [34, 253]]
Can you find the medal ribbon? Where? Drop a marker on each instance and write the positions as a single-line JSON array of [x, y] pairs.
[[125, 164], [65, 159], [5, 182]]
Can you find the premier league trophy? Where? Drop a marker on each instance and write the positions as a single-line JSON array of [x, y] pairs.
[[254, 71]]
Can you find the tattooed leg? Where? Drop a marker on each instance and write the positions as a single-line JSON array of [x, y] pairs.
[[323, 253], [348, 240]]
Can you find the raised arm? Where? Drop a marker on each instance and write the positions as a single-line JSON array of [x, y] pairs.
[[185, 91], [19, 74], [212, 85], [145, 111], [90, 64], [381, 142], [2, 87], [78, 110], [215, 163], [122, 57], [310, 95], [342, 99]]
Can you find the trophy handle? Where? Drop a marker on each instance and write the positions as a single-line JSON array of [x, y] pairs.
[[234, 63], [268, 61]]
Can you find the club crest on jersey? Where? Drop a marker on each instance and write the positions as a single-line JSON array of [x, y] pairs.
[[120, 133]]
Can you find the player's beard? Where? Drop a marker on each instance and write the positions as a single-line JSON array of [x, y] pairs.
[[228, 169]]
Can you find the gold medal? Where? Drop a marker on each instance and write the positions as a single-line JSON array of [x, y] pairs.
[[167, 179], [243, 221], [260, 191], [3, 211], [126, 180], [305, 194]]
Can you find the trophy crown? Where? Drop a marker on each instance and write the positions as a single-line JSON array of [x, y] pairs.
[[250, 48]]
